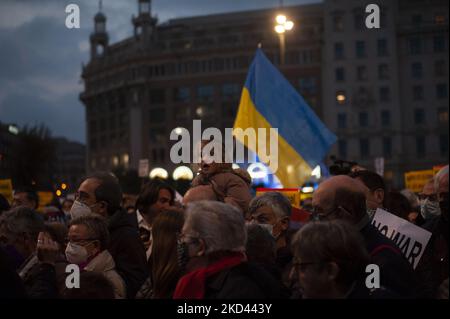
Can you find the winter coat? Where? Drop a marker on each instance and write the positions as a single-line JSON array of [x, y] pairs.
[[127, 250], [230, 186], [103, 263]]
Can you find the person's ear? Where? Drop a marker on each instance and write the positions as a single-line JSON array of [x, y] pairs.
[[333, 271], [379, 195], [284, 223], [103, 208], [201, 248]]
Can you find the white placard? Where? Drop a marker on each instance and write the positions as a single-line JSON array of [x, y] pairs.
[[411, 239]]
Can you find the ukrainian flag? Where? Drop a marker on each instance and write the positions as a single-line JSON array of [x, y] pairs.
[[269, 101]]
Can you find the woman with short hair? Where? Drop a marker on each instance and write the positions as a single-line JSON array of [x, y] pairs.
[[87, 247]]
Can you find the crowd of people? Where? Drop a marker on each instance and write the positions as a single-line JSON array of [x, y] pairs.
[[220, 243]]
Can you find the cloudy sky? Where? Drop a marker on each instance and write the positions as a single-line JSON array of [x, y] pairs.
[[40, 59]]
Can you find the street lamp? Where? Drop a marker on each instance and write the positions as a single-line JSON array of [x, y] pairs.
[[283, 25]]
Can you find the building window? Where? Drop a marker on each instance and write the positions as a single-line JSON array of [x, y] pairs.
[[417, 70], [342, 120], [340, 74], [341, 97], [441, 91], [157, 116], [415, 46], [182, 94], [387, 147], [416, 20], [443, 145], [419, 116], [157, 96], [443, 115], [364, 148], [308, 86], [439, 68], [420, 146], [338, 50], [342, 148], [231, 90], [383, 72], [385, 94], [338, 23], [205, 92], [439, 43], [363, 119], [361, 73], [418, 94], [360, 47], [358, 20], [382, 47], [385, 118]]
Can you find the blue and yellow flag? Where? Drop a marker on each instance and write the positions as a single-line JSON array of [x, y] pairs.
[[268, 100]]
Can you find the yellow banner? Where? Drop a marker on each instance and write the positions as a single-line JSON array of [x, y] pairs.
[[6, 189], [45, 198], [416, 180]]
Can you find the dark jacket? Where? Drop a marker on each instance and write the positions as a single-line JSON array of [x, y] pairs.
[[396, 273], [244, 281], [11, 286], [433, 266], [39, 279], [128, 251]]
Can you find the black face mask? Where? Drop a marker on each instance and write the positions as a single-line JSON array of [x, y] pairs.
[[182, 256]]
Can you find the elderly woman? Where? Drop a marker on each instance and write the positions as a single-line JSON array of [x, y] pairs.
[[272, 210], [88, 240], [330, 260], [211, 252]]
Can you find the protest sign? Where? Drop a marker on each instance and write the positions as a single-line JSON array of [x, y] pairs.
[[410, 239]]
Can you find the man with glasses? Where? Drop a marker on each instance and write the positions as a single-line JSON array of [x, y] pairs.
[[88, 239], [330, 259], [433, 265], [344, 198], [100, 194]]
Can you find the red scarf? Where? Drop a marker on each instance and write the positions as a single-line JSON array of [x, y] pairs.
[[192, 285]]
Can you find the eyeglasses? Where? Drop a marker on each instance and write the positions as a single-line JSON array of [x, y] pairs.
[[301, 267], [318, 214], [81, 242], [181, 237]]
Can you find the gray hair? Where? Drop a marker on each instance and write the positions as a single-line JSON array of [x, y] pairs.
[[443, 172], [96, 227], [22, 220], [220, 225], [277, 201]]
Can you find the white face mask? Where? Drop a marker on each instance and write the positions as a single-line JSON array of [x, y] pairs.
[[79, 209], [76, 254], [429, 209]]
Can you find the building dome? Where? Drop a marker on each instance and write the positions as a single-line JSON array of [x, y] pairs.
[[100, 17]]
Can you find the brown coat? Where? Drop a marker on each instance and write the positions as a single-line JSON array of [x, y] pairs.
[[230, 186]]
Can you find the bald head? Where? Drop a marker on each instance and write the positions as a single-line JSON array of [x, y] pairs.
[[198, 193], [341, 194], [441, 180]]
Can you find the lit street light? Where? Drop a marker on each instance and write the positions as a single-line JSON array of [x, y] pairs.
[[283, 25]]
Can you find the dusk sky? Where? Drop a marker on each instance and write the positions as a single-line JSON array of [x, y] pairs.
[[40, 59]]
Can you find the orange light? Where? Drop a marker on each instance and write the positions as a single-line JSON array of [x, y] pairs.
[[63, 186]]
